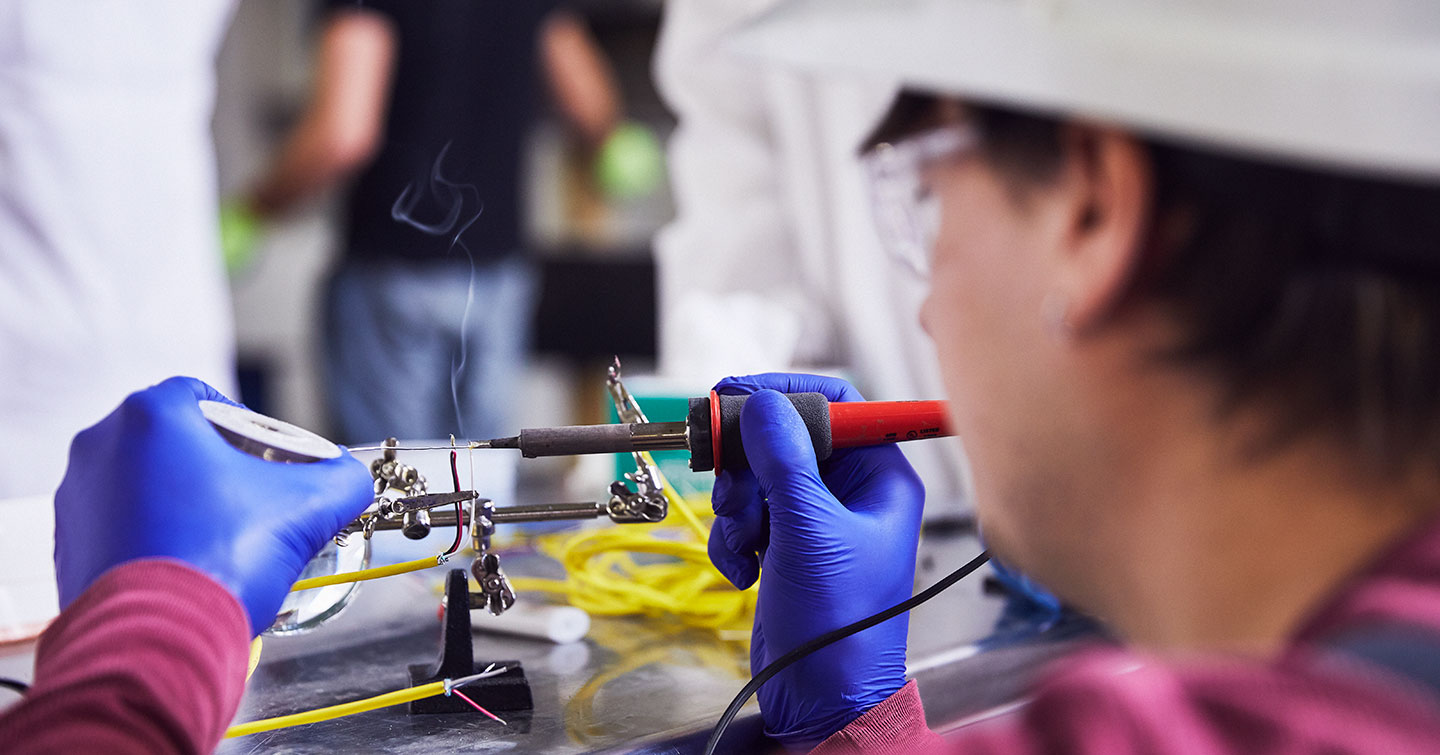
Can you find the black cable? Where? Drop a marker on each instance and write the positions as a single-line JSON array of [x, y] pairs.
[[14, 684], [833, 636]]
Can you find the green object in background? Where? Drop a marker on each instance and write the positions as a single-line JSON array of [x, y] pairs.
[[240, 231], [630, 164]]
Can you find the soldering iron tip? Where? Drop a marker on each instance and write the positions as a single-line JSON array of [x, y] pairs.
[[511, 442]]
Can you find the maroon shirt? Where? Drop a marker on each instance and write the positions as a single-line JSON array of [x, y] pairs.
[[150, 659], [1317, 697]]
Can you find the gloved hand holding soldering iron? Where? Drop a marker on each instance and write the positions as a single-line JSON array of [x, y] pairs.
[[836, 543]]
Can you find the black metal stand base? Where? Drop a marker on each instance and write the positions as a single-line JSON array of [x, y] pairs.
[[509, 691]]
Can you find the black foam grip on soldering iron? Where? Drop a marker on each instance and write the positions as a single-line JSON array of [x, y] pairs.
[[813, 408]]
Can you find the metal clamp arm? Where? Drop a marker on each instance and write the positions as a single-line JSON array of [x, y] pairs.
[[647, 502]]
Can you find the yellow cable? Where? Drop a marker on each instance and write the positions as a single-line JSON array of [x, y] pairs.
[[364, 574], [336, 711], [676, 503], [254, 658], [604, 578]]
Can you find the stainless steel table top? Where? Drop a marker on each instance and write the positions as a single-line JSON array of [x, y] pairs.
[[632, 685]]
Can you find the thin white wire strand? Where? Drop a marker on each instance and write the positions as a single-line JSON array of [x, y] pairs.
[[469, 445], [464, 680]]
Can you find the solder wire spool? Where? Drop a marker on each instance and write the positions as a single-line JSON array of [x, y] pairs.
[[267, 437], [281, 442]]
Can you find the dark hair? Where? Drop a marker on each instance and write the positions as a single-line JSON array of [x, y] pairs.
[[1314, 290]]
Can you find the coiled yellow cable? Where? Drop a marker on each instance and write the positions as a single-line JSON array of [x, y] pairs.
[[604, 578]]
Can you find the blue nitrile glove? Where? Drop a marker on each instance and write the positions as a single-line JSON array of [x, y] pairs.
[[837, 543], [155, 480]]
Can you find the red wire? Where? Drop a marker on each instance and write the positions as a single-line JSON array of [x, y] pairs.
[[459, 512], [477, 707]]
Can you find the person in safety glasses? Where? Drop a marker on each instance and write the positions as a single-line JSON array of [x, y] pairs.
[[1184, 269], [1184, 261]]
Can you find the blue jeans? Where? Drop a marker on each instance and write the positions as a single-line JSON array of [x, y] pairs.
[[396, 332]]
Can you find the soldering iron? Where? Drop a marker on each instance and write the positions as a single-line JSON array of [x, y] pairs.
[[711, 431]]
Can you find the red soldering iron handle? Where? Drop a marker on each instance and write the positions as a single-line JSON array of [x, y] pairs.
[[871, 423], [713, 426]]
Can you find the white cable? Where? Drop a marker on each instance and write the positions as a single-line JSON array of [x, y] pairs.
[[464, 680]]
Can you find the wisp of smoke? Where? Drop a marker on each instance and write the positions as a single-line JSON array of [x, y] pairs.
[[447, 192]]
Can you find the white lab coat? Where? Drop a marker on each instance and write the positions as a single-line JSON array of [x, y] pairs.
[[773, 262], [110, 273]]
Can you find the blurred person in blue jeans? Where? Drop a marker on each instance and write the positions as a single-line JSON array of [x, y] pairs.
[[427, 105]]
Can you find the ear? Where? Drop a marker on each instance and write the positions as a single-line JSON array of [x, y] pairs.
[[1113, 193]]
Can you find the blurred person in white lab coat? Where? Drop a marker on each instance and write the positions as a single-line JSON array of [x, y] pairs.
[[766, 178], [113, 275]]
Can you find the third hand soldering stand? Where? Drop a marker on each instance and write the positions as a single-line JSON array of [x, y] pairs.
[[403, 503]]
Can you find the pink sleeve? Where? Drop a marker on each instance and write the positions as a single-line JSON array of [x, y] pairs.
[[1107, 702], [895, 725], [150, 659]]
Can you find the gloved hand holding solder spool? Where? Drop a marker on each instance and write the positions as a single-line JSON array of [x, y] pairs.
[[154, 480]]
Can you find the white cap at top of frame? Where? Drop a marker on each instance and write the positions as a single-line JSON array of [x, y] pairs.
[[1337, 83]]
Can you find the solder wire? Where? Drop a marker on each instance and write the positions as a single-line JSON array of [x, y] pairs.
[[442, 687]]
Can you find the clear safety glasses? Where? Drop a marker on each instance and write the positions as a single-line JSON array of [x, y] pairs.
[[907, 213]]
